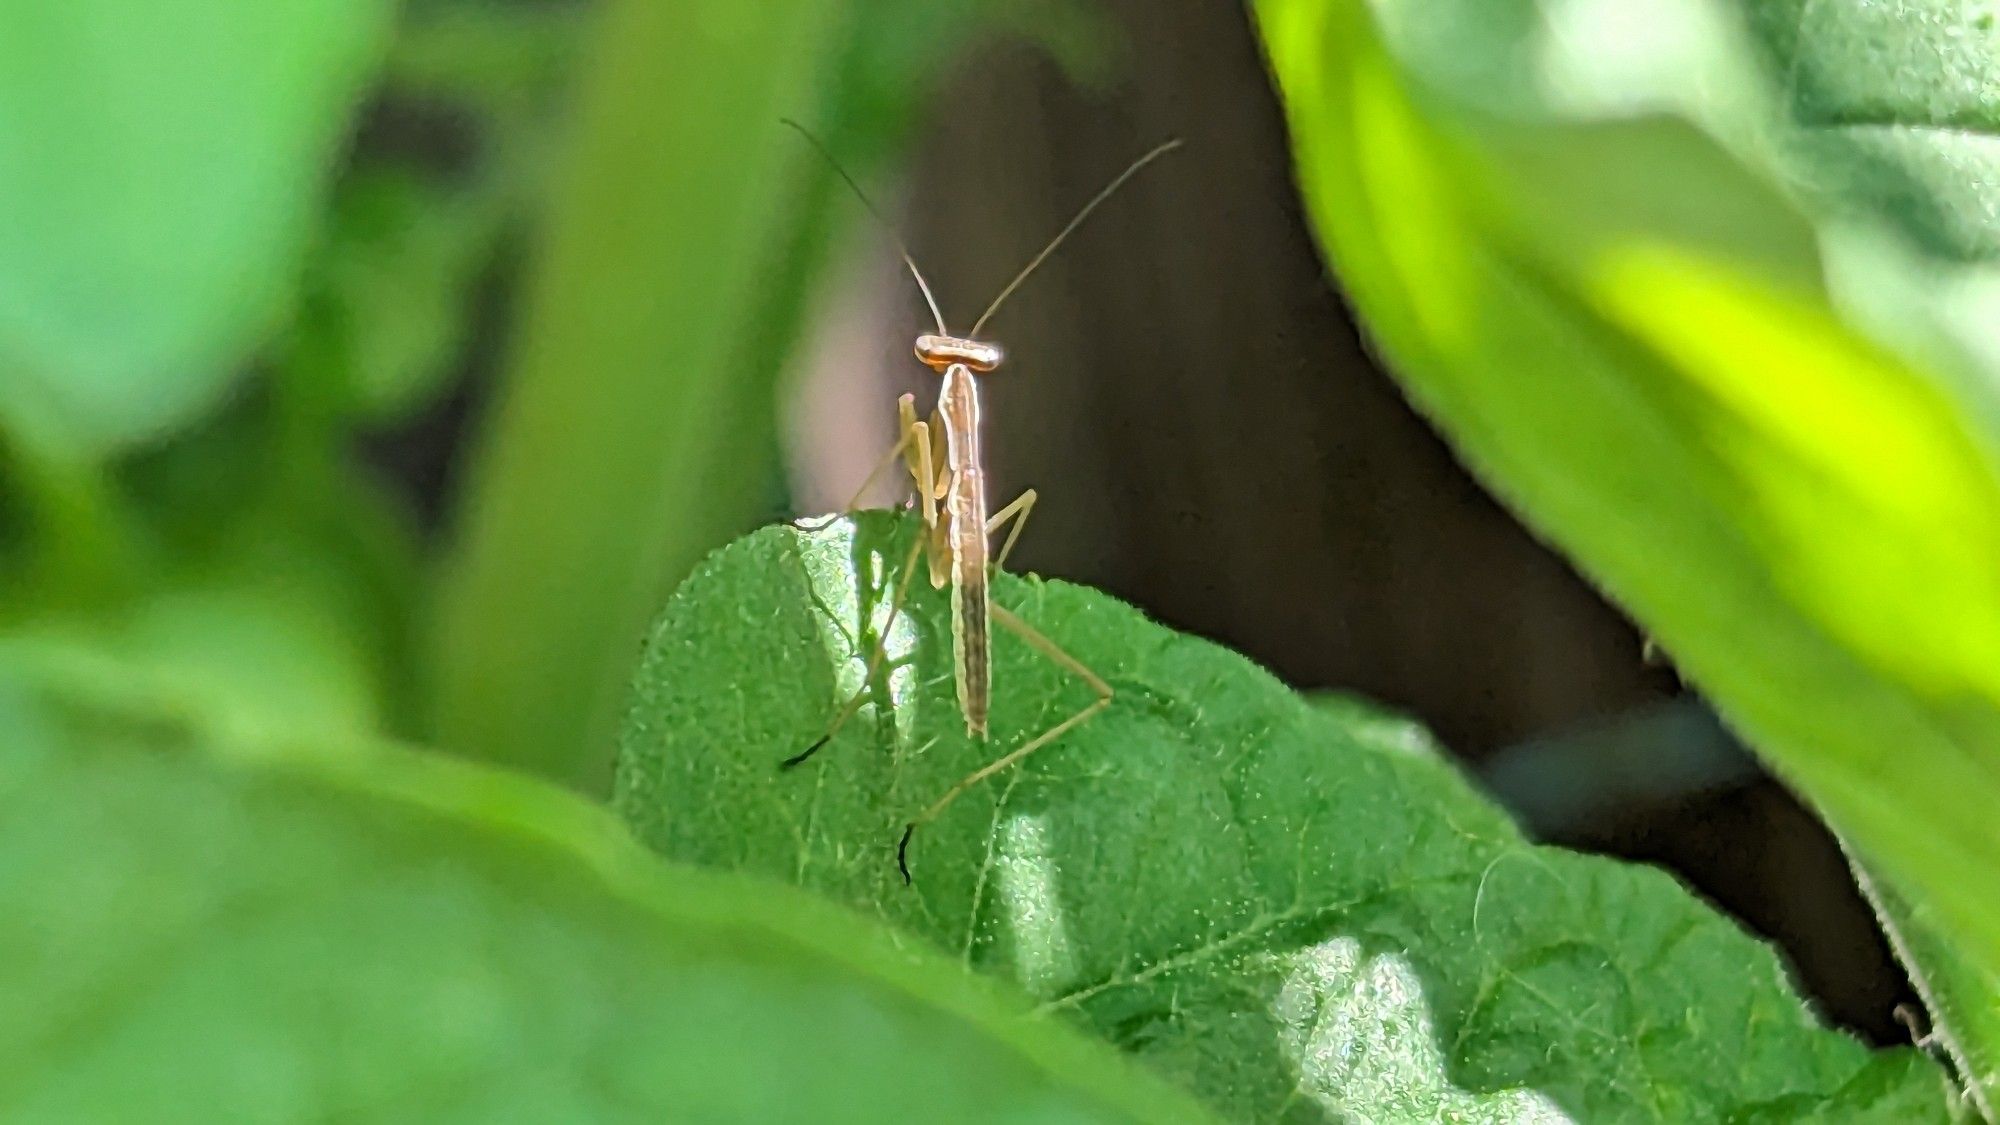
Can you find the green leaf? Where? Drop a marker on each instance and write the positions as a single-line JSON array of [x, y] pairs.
[[1632, 287], [252, 579], [396, 278], [503, 62], [247, 930], [1953, 989], [1898, 108], [637, 426], [158, 166], [1296, 912], [389, 291]]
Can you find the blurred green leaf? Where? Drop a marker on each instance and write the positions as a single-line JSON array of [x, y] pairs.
[[201, 930], [1612, 254], [244, 660], [1964, 1025], [1290, 908], [389, 292], [397, 277], [255, 579], [158, 165], [636, 427], [505, 61], [501, 59]]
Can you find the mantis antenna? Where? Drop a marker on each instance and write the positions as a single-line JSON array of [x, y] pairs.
[[1130, 171], [1034, 263], [827, 155]]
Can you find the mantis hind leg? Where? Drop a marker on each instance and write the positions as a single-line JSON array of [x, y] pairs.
[[1054, 652]]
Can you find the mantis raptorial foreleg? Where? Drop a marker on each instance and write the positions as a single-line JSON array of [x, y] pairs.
[[904, 440], [881, 650], [913, 445]]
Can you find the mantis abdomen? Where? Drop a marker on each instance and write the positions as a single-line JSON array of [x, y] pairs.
[[965, 505]]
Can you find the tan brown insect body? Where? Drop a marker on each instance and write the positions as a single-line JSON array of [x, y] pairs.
[[957, 535]]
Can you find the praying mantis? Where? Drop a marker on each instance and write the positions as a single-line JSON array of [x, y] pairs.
[[951, 497]]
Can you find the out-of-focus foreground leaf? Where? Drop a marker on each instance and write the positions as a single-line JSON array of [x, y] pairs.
[[637, 425], [1963, 1022], [158, 167], [1626, 263], [196, 928], [1287, 907]]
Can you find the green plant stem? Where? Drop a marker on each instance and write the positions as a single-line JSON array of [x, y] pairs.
[[630, 434]]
